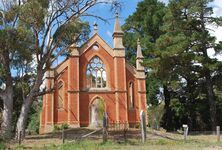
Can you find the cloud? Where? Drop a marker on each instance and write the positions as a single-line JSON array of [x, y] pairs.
[[217, 7], [164, 1], [109, 33]]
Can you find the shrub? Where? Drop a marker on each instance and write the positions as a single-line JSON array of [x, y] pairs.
[[60, 127], [56, 128], [2, 145], [33, 125], [64, 126], [155, 114]]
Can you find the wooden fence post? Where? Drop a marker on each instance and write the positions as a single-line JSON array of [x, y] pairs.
[[63, 136], [20, 137], [105, 124], [218, 133], [185, 127], [143, 125]]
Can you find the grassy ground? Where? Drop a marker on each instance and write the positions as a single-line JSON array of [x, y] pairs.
[[155, 141]]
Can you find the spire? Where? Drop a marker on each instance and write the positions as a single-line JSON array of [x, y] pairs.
[[95, 28], [139, 58], [139, 50], [118, 38], [117, 27]]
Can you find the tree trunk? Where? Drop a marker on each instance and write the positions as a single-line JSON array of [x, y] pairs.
[[167, 117], [6, 125], [27, 103], [211, 100], [22, 120]]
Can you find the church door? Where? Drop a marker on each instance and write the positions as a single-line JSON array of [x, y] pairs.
[[96, 113]]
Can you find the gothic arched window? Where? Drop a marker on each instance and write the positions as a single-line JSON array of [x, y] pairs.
[[131, 94], [96, 73], [60, 95]]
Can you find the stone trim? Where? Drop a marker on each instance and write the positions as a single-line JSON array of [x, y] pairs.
[[131, 69], [95, 39]]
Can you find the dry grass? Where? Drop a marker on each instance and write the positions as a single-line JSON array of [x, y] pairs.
[[155, 141]]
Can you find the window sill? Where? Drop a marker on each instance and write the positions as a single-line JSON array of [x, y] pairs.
[[60, 109], [97, 89]]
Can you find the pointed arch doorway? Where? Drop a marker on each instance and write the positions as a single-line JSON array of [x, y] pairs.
[[96, 109]]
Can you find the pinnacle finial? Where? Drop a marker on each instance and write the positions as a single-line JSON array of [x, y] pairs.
[[117, 27], [95, 28], [138, 41], [117, 14], [139, 50]]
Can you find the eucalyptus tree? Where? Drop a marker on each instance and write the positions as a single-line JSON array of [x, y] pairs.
[[55, 25], [15, 43]]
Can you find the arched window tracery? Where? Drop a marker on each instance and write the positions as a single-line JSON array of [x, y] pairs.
[[96, 73]]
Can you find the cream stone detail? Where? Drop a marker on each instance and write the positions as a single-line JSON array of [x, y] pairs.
[[95, 28], [140, 75], [131, 69], [118, 36], [118, 42], [74, 52], [119, 53], [95, 39], [61, 67], [139, 57], [139, 66]]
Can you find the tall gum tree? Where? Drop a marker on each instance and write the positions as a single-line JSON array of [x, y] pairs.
[[55, 25], [15, 41]]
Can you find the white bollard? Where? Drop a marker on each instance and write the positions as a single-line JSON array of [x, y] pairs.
[[143, 125], [185, 127], [218, 133]]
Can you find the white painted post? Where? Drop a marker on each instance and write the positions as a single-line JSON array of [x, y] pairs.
[[185, 127], [143, 125], [218, 133]]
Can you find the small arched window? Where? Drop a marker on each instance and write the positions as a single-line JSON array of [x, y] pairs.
[[96, 73], [131, 95], [60, 95]]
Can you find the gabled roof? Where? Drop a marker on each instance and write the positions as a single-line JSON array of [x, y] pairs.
[[93, 40], [131, 68]]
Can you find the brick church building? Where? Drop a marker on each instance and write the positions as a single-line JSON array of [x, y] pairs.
[[94, 79]]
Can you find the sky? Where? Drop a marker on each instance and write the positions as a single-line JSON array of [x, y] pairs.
[[105, 29]]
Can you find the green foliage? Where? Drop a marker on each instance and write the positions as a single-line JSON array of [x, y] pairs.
[[60, 127], [73, 31], [32, 13], [175, 41], [2, 145], [56, 128], [145, 24], [155, 114], [101, 108], [34, 117], [64, 126], [34, 123]]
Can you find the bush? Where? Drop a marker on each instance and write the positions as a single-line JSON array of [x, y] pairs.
[[34, 123], [56, 128], [60, 127], [2, 145], [64, 126], [155, 114]]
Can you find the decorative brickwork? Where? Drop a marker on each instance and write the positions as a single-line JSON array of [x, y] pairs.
[[95, 73]]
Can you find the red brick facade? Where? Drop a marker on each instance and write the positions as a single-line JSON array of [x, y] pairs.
[[124, 94]]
